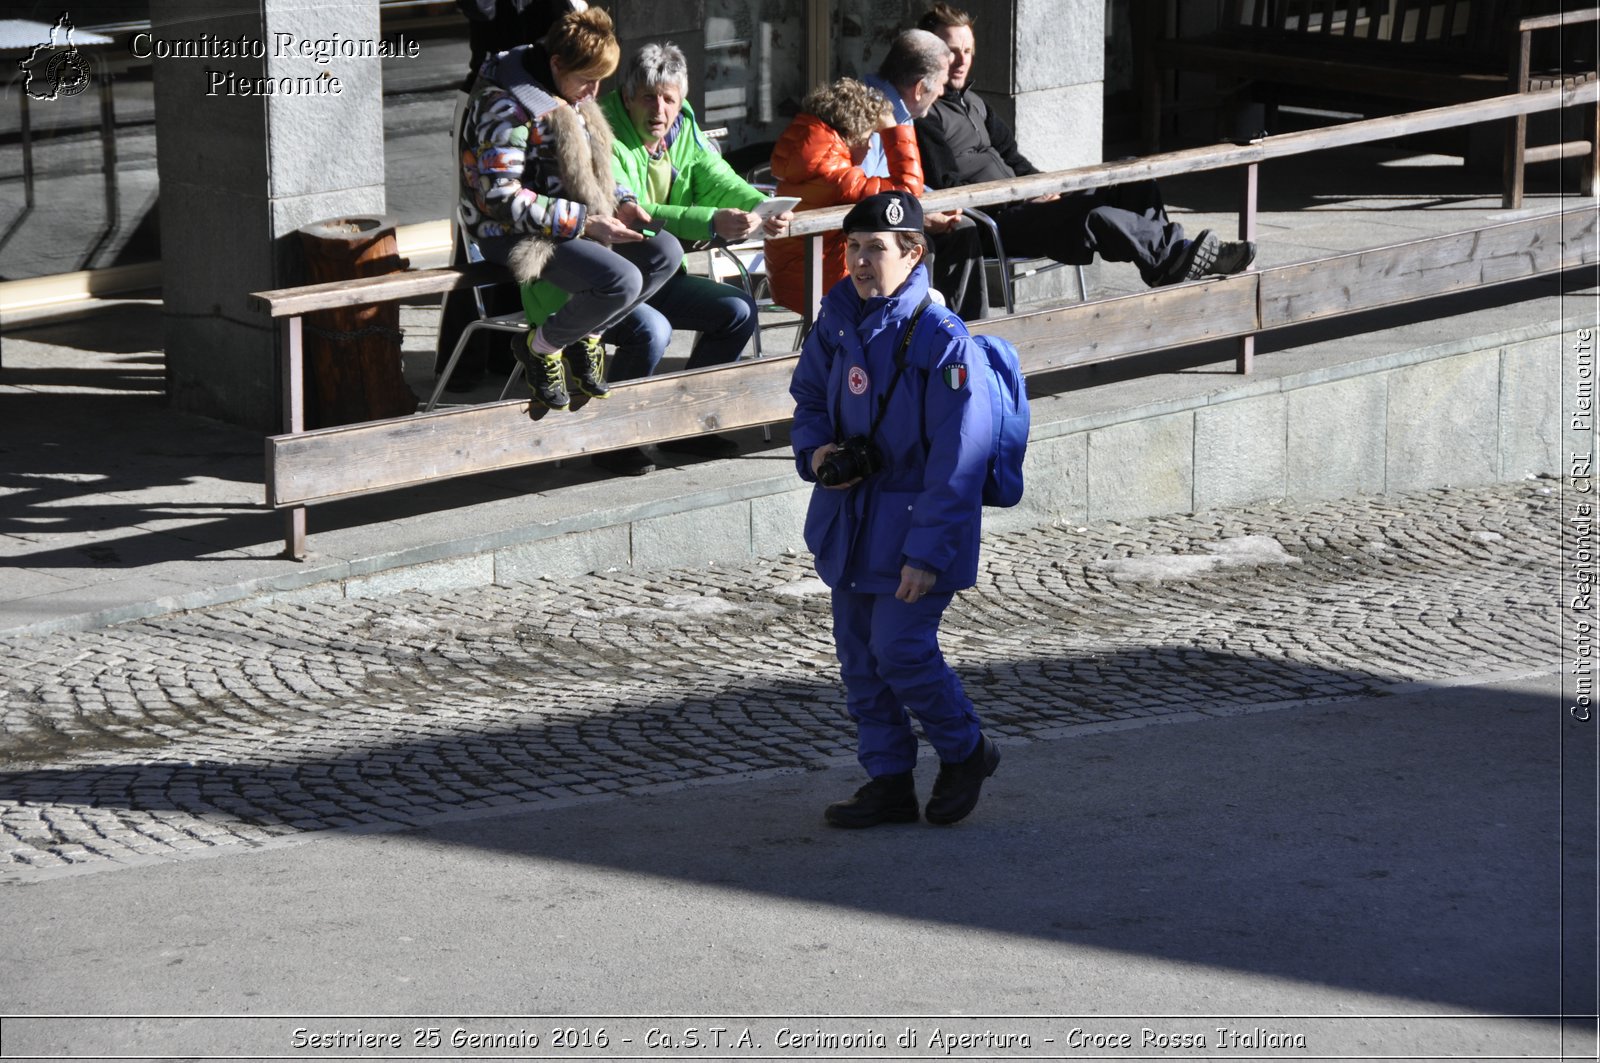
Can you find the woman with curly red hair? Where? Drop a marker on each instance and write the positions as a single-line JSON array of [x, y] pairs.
[[818, 158]]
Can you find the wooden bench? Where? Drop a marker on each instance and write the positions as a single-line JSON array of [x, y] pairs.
[[1373, 58]]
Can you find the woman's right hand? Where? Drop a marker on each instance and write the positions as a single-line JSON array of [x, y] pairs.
[[820, 455], [608, 231]]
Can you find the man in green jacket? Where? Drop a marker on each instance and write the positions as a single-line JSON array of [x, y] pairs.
[[659, 151]]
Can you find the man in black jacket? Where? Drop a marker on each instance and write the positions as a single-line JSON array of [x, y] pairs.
[[963, 142]]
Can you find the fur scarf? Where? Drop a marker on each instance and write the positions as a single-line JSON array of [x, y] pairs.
[[584, 160]]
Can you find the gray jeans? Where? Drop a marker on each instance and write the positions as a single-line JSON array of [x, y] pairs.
[[604, 284]]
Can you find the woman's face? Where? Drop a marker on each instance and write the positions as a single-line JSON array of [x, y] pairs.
[[573, 87], [876, 263]]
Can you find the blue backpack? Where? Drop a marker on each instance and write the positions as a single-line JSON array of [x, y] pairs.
[[1012, 418], [1008, 409]]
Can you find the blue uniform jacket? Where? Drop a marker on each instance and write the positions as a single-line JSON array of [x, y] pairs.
[[924, 507]]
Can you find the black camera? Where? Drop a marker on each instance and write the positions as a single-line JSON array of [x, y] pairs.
[[855, 458]]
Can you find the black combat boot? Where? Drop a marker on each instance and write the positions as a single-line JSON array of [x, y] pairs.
[[886, 799], [955, 791]]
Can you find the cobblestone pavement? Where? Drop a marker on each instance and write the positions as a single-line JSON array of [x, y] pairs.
[[237, 725]]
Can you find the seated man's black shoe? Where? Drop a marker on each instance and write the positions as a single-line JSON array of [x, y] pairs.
[[630, 461], [1193, 261], [886, 799], [955, 791], [712, 446], [1233, 256]]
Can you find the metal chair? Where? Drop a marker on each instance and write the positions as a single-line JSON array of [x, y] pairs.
[[1012, 270], [749, 272], [516, 322]]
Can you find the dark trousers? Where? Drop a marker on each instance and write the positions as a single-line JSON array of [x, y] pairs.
[[892, 669], [1124, 223], [603, 283], [724, 316], [957, 270]]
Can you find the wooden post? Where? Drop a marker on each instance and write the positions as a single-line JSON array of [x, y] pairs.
[[294, 420], [1247, 231], [1516, 127], [819, 42], [355, 371], [814, 292]]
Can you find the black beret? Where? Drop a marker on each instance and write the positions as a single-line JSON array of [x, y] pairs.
[[886, 212]]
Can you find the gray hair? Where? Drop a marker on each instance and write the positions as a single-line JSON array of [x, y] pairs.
[[657, 64], [915, 55]]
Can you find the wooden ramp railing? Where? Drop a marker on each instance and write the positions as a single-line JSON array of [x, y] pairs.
[[306, 468]]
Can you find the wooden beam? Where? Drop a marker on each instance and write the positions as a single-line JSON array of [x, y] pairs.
[[1567, 18], [310, 467], [1422, 269], [1108, 329], [292, 302]]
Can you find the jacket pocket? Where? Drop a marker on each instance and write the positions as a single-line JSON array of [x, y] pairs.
[[883, 540], [825, 532]]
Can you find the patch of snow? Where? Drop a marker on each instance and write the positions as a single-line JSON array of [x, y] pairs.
[[1244, 551], [802, 588]]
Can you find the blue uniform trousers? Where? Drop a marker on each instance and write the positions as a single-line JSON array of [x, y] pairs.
[[890, 661]]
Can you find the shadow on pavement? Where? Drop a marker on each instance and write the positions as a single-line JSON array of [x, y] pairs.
[[1409, 846]]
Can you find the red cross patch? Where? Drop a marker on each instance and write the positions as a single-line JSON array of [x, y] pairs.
[[857, 380]]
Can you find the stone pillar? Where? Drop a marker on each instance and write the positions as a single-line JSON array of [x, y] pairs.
[[241, 170], [1041, 65]]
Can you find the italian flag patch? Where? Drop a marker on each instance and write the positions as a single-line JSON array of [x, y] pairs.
[[955, 376]]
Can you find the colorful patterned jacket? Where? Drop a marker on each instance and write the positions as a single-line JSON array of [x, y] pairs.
[[533, 167]]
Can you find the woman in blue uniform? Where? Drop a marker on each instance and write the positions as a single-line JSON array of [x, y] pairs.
[[895, 432]]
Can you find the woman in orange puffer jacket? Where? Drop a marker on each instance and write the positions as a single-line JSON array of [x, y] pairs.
[[818, 158]]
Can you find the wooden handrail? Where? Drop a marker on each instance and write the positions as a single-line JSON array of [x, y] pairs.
[[1565, 18], [288, 302]]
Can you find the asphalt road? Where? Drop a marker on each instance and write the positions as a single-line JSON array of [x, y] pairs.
[[1273, 777]]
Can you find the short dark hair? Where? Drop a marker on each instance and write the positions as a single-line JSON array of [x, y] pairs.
[[941, 15]]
